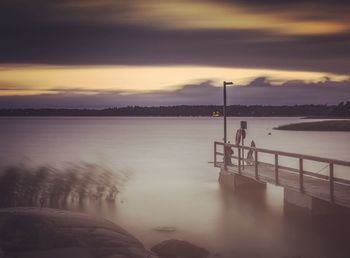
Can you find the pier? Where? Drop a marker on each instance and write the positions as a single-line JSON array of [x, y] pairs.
[[317, 191]]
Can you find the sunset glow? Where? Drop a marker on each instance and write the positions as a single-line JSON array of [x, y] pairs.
[[29, 80]]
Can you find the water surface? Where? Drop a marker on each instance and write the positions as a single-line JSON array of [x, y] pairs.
[[171, 183]]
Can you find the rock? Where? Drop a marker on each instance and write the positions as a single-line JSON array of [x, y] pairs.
[[41, 232], [179, 249], [73, 252], [118, 256], [165, 229]]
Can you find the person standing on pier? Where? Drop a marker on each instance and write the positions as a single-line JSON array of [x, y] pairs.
[[250, 158]]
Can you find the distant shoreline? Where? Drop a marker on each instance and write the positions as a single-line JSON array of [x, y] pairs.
[[330, 126], [303, 111], [326, 117]]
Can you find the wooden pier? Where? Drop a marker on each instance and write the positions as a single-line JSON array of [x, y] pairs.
[[266, 166]]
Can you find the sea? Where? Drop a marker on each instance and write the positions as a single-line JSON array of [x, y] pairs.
[[171, 189]]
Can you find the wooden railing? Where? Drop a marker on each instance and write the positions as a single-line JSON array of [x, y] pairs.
[[244, 164]]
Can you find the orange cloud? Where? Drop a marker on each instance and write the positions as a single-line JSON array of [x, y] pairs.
[[35, 79]]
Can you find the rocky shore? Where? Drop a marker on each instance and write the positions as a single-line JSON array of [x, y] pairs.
[[43, 232], [50, 233]]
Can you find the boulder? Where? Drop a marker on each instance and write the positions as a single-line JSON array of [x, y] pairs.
[[42, 232], [179, 249]]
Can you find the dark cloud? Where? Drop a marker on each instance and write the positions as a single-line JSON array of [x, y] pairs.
[[284, 3], [142, 46], [289, 93], [299, 11], [272, 6], [260, 82], [69, 32]]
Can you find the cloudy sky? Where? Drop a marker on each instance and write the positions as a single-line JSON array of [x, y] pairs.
[[101, 53]]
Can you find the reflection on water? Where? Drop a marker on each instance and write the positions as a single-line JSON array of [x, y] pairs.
[[171, 183]]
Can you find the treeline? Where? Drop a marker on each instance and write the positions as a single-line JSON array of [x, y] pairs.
[[341, 110]]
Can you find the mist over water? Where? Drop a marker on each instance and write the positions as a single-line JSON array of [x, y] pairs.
[[171, 184]]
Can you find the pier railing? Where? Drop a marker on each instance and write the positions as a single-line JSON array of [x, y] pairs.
[[267, 166]]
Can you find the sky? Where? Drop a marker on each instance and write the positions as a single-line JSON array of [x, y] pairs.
[[103, 53]]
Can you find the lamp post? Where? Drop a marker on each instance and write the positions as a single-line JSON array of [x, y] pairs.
[[224, 110], [225, 127]]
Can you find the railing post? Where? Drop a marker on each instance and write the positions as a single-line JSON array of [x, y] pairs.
[[331, 182], [276, 169], [225, 157], [301, 172], [215, 154], [243, 161], [239, 160], [256, 164]]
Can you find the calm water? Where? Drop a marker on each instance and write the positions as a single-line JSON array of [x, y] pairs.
[[171, 183]]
